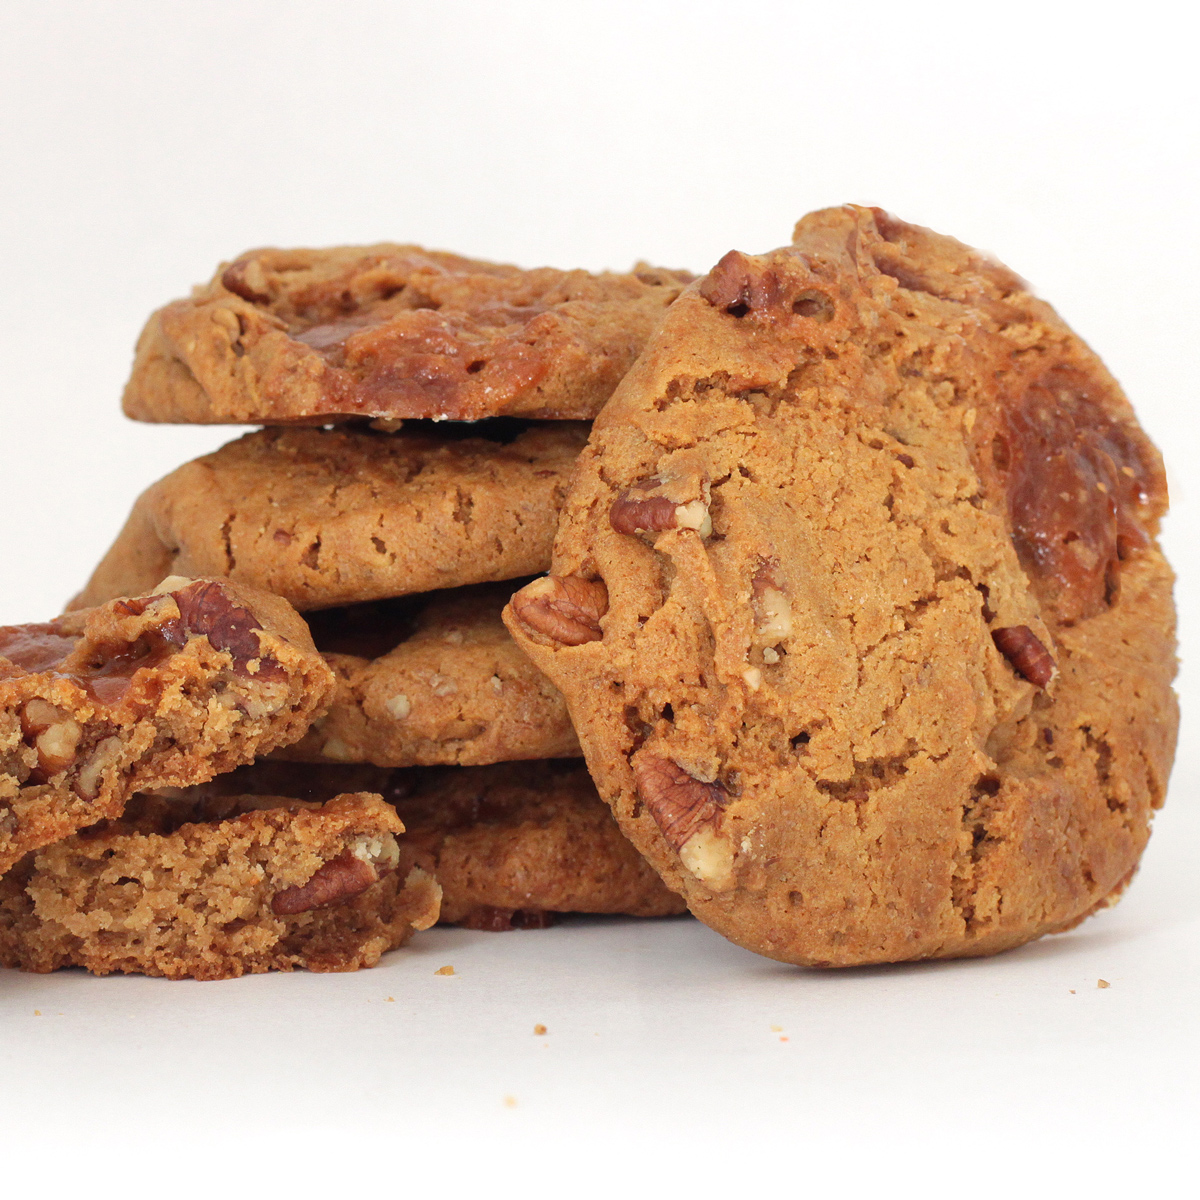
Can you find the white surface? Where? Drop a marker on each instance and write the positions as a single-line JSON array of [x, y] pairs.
[[142, 142]]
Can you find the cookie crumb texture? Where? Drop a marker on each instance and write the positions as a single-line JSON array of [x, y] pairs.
[[879, 644], [163, 690], [330, 517], [441, 682], [392, 332], [217, 888], [510, 844]]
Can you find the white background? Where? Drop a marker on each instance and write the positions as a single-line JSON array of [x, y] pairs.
[[141, 143]]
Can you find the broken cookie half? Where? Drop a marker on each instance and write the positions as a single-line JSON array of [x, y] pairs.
[[200, 886], [163, 690]]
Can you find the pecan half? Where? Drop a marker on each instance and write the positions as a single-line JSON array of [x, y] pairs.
[[339, 879], [1029, 658], [565, 608]]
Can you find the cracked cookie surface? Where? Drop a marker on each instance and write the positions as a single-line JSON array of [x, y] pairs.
[[393, 332], [857, 605], [162, 690], [510, 844], [432, 680], [194, 886], [331, 517]]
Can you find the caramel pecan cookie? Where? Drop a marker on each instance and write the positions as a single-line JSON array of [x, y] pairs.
[[857, 605], [511, 844], [160, 691], [193, 887], [331, 517], [432, 679], [313, 336]]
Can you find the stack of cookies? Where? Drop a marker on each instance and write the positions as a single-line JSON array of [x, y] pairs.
[[855, 612]]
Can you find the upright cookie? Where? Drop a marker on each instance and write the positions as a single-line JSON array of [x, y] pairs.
[[510, 845], [858, 608], [195, 888], [160, 691], [390, 331], [330, 517], [432, 680]]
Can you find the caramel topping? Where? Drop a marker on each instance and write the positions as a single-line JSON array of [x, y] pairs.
[[106, 666], [1083, 490], [35, 647]]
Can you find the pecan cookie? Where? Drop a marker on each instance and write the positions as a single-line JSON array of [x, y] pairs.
[[313, 336], [159, 691], [330, 517], [189, 887], [510, 844], [857, 605], [429, 680]]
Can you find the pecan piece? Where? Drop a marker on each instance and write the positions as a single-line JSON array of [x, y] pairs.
[[206, 609], [246, 278], [564, 608], [339, 879], [740, 284], [1029, 658], [653, 514], [688, 812], [55, 735]]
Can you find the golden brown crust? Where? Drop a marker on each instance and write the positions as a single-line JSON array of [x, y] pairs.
[[442, 683], [188, 889], [808, 707], [160, 690], [331, 517], [388, 331]]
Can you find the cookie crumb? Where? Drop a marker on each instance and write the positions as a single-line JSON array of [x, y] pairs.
[[447, 970], [37, 1012], [1103, 983], [510, 1102], [1071, 990], [783, 1039], [390, 999], [776, 1028], [539, 1030]]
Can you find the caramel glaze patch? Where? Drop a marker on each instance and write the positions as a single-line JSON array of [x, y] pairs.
[[106, 668], [1083, 490]]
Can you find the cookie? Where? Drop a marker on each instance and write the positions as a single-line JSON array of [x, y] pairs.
[[160, 691], [858, 608], [313, 336], [510, 844], [191, 889], [331, 517], [432, 680]]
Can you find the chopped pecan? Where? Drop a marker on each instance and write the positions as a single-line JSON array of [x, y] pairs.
[[772, 609], [739, 284], [246, 278], [679, 804], [339, 879], [653, 514], [565, 608], [206, 609], [1029, 658]]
